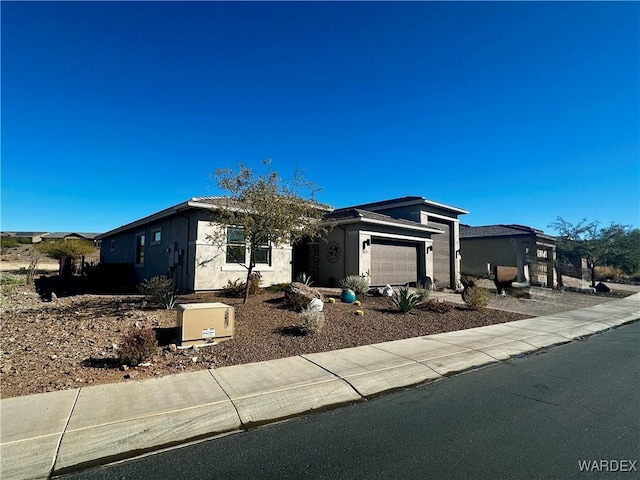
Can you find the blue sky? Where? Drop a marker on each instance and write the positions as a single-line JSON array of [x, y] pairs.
[[517, 112]]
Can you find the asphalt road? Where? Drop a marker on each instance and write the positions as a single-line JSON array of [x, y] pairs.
[[536, 417]]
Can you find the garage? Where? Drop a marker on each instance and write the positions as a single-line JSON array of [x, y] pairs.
[[393, 263]]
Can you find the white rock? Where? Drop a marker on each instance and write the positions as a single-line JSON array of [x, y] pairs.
[[316, 304], [387, 291]]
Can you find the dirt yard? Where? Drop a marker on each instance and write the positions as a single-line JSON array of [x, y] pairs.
[[73, 341]]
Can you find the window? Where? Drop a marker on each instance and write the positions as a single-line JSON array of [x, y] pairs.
[[140, 249], [156, 236], [113, 245], [236, 248], [263, 252]]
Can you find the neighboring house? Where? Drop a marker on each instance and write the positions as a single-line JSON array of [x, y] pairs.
[[33, 237], [510, 245], [37, 237], [70, 236], [175, 242], [446, 245], [400, 241]]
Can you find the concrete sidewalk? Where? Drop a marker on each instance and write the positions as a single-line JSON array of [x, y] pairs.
[[58, 432]]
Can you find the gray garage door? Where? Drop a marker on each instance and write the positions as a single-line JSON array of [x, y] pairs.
[[442, 254], [393, 264]]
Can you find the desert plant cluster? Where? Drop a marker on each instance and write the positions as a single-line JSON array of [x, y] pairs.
[[160, 291]]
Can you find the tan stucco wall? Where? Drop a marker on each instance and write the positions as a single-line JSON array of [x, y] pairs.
[[212, 272], [355, 257]]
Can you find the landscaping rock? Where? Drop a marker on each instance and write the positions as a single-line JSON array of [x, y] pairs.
[[316, 304], [299, 295], [602, 288]]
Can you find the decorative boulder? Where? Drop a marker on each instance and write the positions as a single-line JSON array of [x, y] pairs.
[[348, 296], [602, 288], [299, 295], [387, 291], [316, 304]]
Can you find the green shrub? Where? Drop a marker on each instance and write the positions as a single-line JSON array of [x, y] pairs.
[[11, 279], [476, 297], [405, 300], [312, 321], [277, 287], [356, 283], [137, 346], [160, 291], [437, 306], [8, 242]]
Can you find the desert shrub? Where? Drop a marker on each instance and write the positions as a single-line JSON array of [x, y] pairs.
[[277, 287], [311, 321], [8, 242], [160, 291], [608, 273], [255, 283], [304, 278], [356, 283], [437, 306], [32, 269], [137, 346], [233, 288], [476, 297], [236, 287], [405, 300], [11, 279]]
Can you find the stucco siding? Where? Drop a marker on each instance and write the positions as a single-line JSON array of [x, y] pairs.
[[213, 272], [166, 257], [477, 253]]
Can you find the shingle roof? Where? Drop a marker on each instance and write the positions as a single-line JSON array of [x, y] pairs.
[[195, 202], [59, 235], [349, 213], [467, 231]]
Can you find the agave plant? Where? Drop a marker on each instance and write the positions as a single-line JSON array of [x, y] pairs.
[[405, 300], [305, 278]]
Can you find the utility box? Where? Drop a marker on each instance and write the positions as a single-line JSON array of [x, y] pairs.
[[202, 323]]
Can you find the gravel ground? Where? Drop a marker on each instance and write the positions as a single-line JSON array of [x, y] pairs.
[[73, 341]]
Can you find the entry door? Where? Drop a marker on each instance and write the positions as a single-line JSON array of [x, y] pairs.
[[442, 254]]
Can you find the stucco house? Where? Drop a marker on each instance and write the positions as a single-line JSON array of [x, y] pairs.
[[397, 241], [175, 243], [445, 256], [388, 250], [510, 245]]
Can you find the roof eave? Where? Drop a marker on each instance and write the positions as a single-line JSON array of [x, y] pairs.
[[417, 227]]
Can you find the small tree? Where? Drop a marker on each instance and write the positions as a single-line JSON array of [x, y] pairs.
[[266, 209], [615, 245], [65, 250]]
